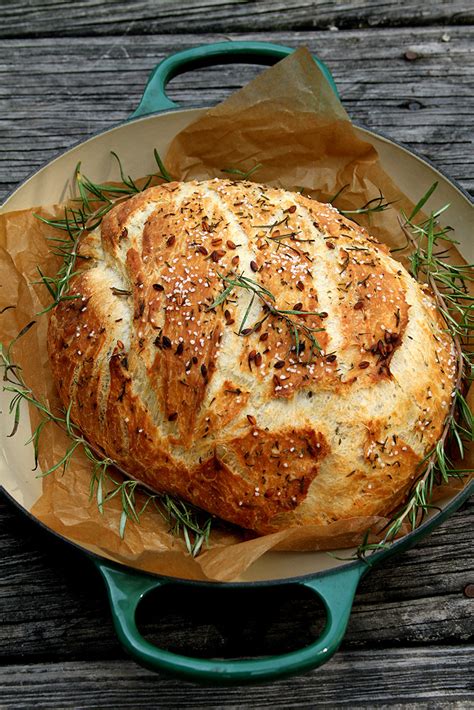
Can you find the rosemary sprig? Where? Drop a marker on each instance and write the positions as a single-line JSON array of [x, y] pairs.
[[183, 518], [449, 284], [296, 327], [186, 520], [376, 204], [242, 174], [94, 201]]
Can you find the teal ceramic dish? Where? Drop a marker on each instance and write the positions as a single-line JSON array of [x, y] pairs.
[[155, 122]]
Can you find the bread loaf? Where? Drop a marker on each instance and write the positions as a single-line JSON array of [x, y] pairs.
[[306, 392]]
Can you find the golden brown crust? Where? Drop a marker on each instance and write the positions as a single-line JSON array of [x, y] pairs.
[[226, 414]]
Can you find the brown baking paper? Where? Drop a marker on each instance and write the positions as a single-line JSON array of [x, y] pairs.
[[289, 120]]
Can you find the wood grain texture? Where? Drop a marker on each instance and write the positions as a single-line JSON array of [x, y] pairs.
[[87, 17], [57, 92], [398, 678], [70, 69]]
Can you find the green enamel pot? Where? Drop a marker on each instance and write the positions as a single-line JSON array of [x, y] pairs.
[[154, 124]]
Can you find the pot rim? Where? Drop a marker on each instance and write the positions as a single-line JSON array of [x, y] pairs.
[[398, 546]]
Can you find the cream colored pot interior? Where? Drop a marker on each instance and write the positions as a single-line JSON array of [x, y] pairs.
[[134, 142]]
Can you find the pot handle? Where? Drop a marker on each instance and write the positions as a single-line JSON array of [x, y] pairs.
[[126, 589], [154, 97]]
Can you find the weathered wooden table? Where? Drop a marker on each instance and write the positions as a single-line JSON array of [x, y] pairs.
[[70, 69]]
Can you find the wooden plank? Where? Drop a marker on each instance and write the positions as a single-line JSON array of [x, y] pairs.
[[88, 17], [60, 91], [422, 678], [53, 603], [57, 644]]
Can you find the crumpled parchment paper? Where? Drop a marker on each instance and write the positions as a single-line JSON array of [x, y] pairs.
[[288, 120]]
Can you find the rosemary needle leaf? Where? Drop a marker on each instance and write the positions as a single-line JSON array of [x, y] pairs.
[[123, 523], [164, 174], [22, 332], [100, 494], [62, 463], [68, 420], [6, 308], [127, 180], [220, 299], [422, 202], [16, 419], [339, 192], [244, 319], [244, 175]]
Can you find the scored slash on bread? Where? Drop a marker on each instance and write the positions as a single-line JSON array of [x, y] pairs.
[[251, 423]]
